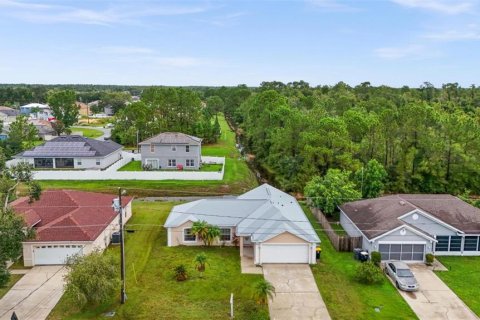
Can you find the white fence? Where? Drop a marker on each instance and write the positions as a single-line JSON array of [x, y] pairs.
[[112, 173]]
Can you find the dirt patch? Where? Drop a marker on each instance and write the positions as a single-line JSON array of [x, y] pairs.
[[411, 295]]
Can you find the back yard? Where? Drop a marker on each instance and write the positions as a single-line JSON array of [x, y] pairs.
[[151, 289], [238, 177], [463, 278], [344, 296]]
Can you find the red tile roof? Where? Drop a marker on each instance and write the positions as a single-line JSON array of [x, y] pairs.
[[67, 215]]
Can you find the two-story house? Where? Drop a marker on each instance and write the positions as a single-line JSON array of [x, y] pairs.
[[171, 150]]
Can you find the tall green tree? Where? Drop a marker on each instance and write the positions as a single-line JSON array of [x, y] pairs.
[[21, 136], [63, 106], [371, 179]]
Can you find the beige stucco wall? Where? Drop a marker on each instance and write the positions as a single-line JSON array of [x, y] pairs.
[[176, 237], [286, 237]]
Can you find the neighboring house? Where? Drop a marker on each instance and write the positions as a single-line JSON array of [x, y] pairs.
[[37, 111], [73, 152], [4, 132], [407, 226], [8, 115], [171, 149], [83, 109], [67, 223], [44, 127], [268, 225]]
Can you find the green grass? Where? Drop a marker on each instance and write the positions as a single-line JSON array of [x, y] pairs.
[[463, 278], [137, 166], [152, 291], [344, 296], [337, 227], [237, 179], [88, 132], [13, 279]]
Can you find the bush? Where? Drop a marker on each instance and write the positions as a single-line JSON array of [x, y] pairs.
[[180, 272], [376, 258], [4, 275], [369, 273], [429, 258]]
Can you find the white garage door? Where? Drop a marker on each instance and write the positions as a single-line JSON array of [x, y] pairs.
[[284, 253], [402, 251], [54, 254]]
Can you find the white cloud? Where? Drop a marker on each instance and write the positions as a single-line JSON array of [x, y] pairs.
[[23, 5], [471, 32], [123, 50], [331, 5], [225, 20], [396, 53], [443, 6]]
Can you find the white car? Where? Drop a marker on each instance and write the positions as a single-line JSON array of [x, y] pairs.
[[401, 275]]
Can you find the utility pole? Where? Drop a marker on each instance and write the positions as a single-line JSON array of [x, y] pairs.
[[138, 147], [122, 247]]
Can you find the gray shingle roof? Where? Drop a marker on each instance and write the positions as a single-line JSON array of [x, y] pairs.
[[72, 146], [261, 213], [9, 111], [173, 138], [376, 216]]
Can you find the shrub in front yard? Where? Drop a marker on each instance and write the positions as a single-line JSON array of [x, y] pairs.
[[429, 259], [376, 258], [369, 273], [262, 291], [180, 272], [4, 275]]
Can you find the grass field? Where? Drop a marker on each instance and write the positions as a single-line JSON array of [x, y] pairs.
[[344, 296], [13, 279], [237, 179], [88, 132], [152, 291], [463, 278], [137, 166]]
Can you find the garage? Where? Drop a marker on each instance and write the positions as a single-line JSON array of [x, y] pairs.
[[402, 251], [284, 253], [54, 254]]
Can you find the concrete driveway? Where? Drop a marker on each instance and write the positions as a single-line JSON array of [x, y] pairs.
[[297, 296], [35, 294], [435, 300]]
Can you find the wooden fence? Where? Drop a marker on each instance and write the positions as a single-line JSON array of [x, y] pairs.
[[341, 243]]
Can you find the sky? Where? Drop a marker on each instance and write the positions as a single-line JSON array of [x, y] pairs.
[[214, 43]]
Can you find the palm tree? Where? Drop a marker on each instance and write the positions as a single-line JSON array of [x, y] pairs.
[[180, 272], [262, 291], [200, 229], [213, 232], [201, 260]]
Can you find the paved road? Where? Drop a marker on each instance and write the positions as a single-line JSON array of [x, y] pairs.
[[297, 296], [435, 300], [107, 133], [35, 294]]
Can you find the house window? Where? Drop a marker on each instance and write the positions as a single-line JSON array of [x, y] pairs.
[[79, 162], [152, 148], [190, 163], [172, 162], [174, 148], [455, 243], [187, 148], [64, 163], [98, 162], [225, 234], [152, 162], [188, 236], [471, 243], [43, 162], [442, 244]]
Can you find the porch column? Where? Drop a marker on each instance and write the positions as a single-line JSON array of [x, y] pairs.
[[241, 246]]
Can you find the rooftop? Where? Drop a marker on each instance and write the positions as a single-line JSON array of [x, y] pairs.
[[173, 138]]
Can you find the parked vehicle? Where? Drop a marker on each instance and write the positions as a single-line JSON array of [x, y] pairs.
[[402, 275]]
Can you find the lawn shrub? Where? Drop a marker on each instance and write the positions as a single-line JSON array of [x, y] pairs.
[[369, 273], [376, 258], [429, 258], [4, 275]]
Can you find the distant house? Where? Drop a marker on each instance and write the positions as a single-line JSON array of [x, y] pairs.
[[67, 223], [44, 128], [8, 115], [73, 152], [169, 150], [266, 223], [83, 108], [37, 111], [408, 226]]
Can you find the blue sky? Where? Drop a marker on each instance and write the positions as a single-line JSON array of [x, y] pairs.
[[391, 42]]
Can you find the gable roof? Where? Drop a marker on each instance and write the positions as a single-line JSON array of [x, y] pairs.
[[173, 138], [261, 213], [9, 111], [72, 146], [35, 105], [67, 215], [377, 216]]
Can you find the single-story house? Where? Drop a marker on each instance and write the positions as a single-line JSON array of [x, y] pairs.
[[37, 111], [8, 115], [73, 152], [267, 224], [168, 150], [408, 226], [68, 222], [44, 128]]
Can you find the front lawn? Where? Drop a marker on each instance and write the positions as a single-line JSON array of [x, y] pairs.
[[13, 279], [344, 296], [463, 278], [151, 289], [237, 179], [132, 166], [88, 132], [137, 166]]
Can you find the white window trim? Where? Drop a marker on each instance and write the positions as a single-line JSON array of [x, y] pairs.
[[152, 148], [183, 236], [153, 159], [231, 236], [168, 163], [187, 161], [187, 148]]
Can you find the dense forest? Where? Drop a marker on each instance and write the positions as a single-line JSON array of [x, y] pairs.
[[427, 139]]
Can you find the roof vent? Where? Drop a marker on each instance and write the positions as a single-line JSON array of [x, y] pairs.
[[402, 203]]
